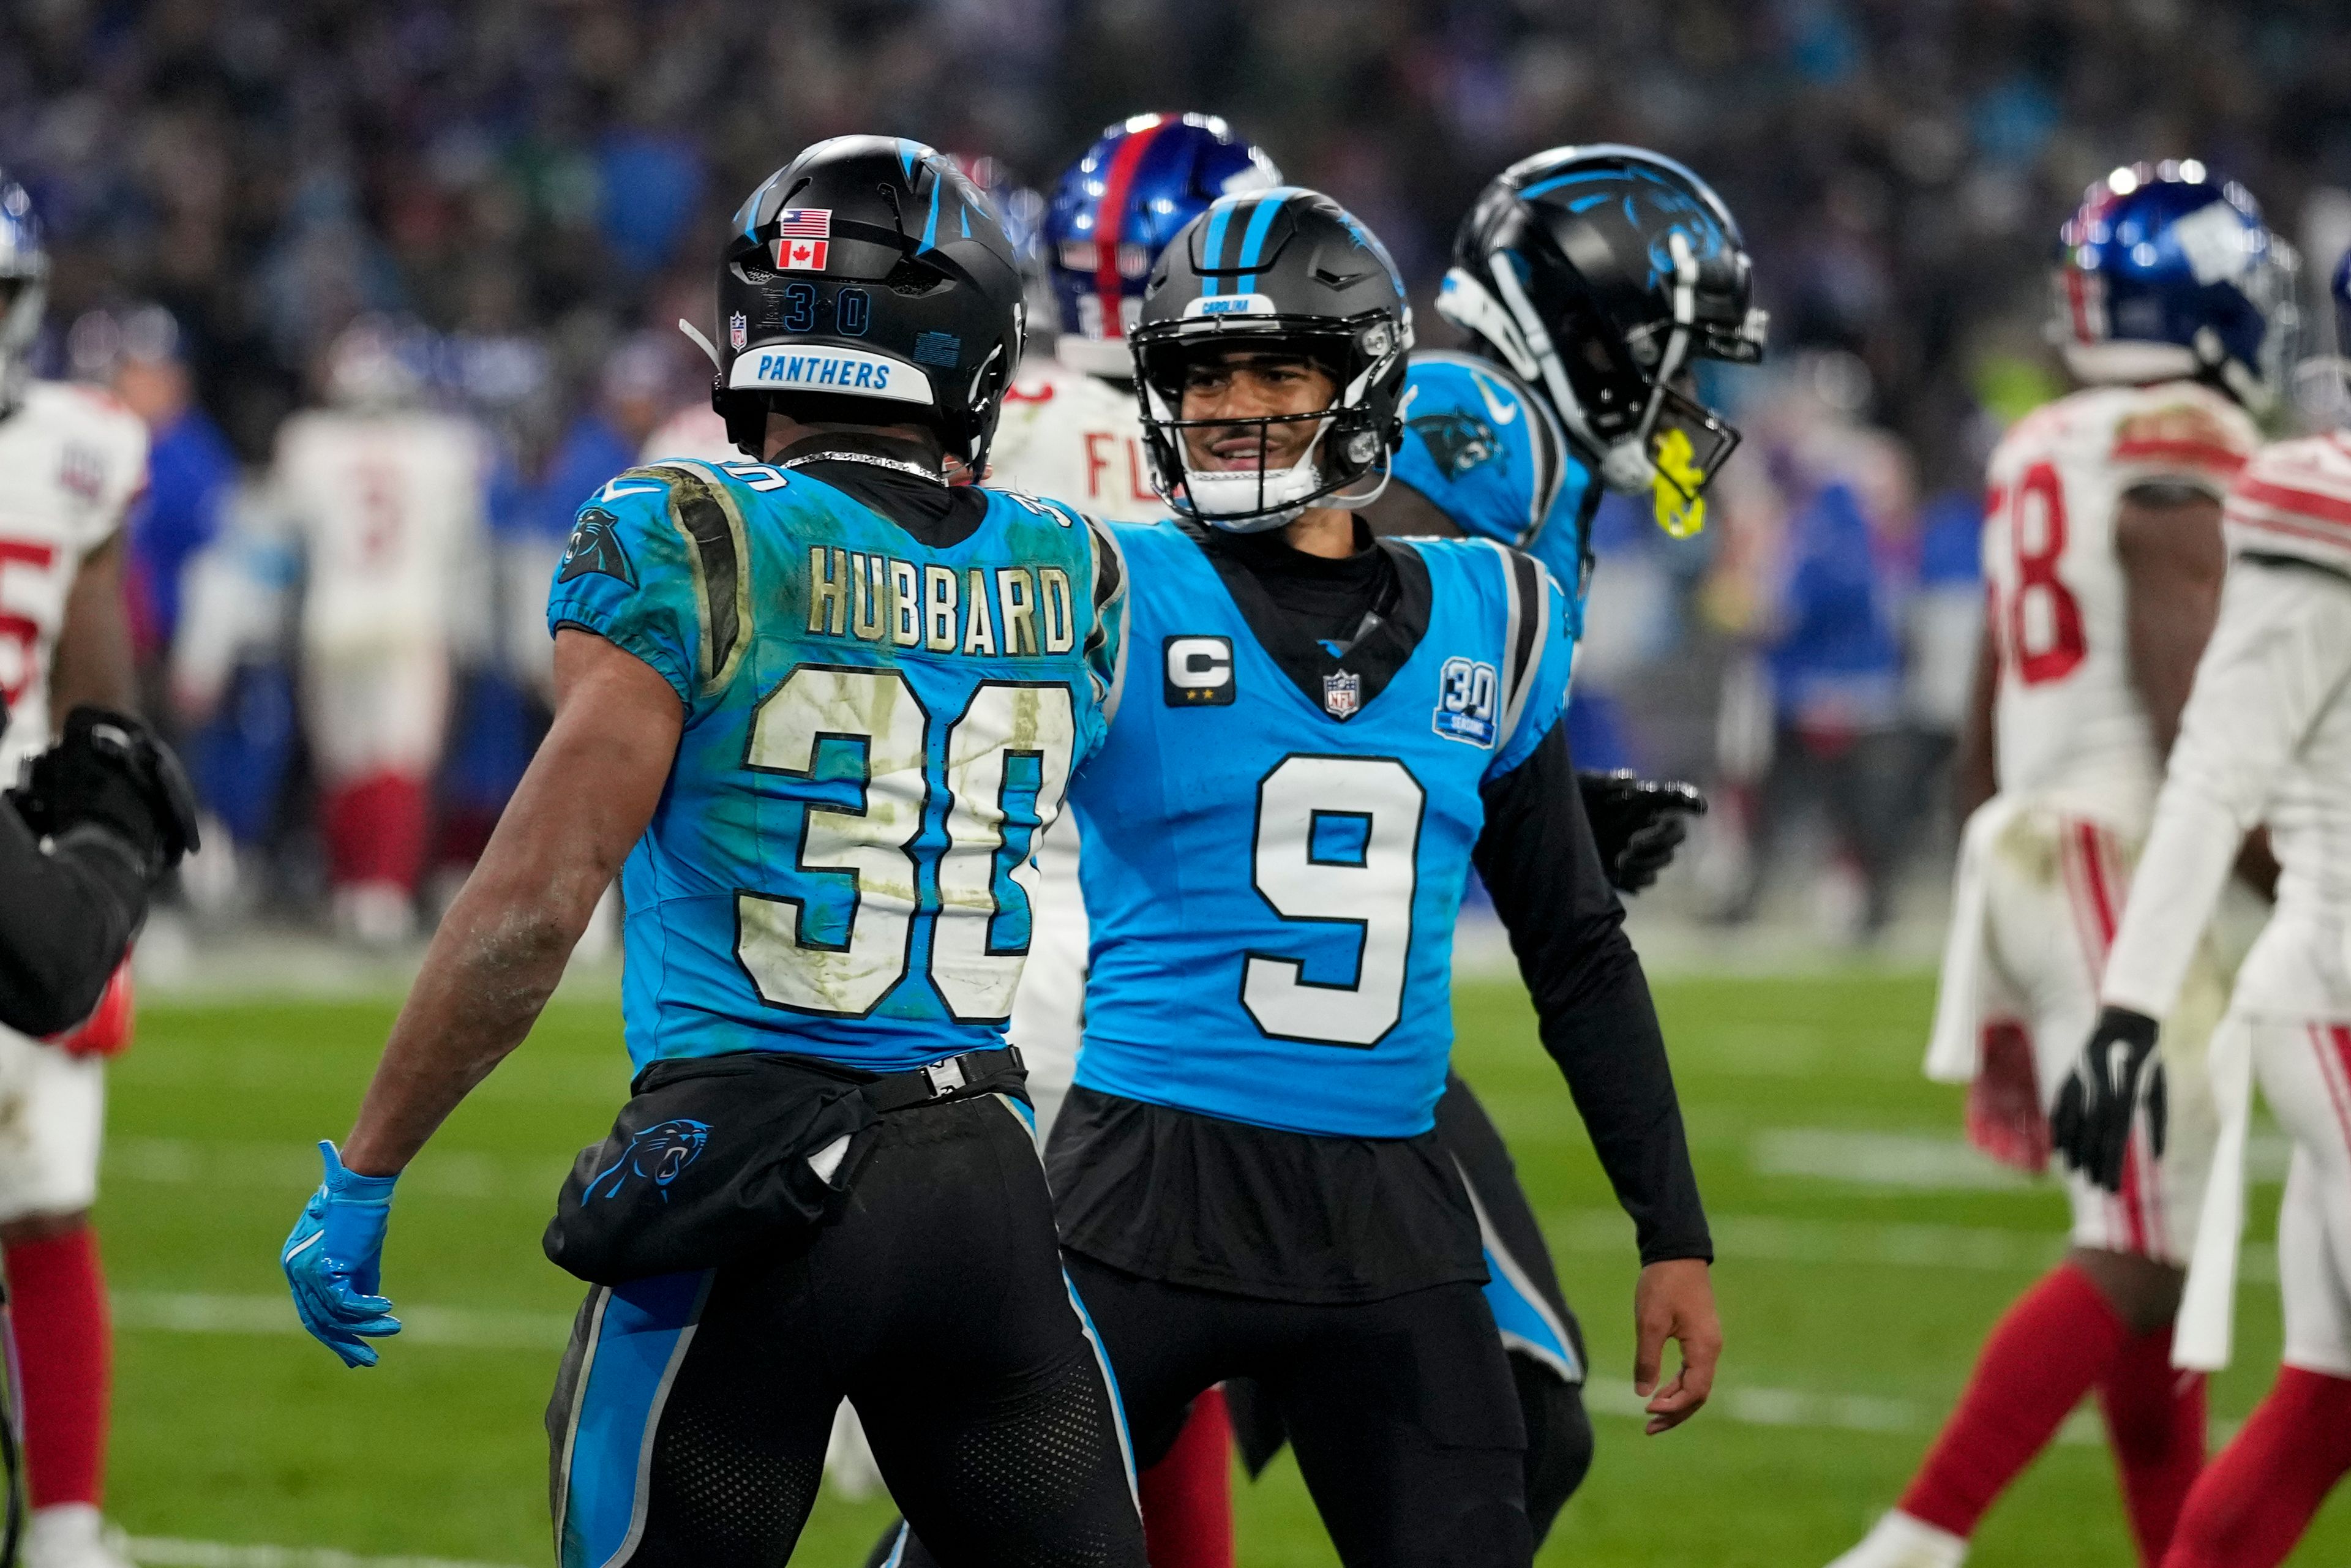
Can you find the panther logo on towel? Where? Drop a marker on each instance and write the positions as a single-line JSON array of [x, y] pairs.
[[661, 1153]]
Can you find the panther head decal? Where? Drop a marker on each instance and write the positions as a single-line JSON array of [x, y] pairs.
[[660, 1154], [1458, 441]]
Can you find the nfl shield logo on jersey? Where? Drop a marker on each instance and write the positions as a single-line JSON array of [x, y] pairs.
[[1343, 694], [738, 331]]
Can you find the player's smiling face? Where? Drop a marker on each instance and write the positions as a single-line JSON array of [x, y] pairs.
[[1250, 384]]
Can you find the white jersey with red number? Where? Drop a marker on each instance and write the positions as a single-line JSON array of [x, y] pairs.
[[2072, 731], [71, 459], [390, 506], [1074, 437]]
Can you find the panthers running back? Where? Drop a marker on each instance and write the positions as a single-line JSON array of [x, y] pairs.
[[822, 704], [2103, 562]]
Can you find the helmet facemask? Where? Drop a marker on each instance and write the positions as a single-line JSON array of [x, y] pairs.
[[1344, 462], [24, 291]]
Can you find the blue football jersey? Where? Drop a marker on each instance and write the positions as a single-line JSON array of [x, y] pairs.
[[1490, 453], [876, 730], [1271, 876]]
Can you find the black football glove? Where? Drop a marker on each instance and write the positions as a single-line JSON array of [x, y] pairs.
[[112, 771], [1637, 822], [2118, 1077]]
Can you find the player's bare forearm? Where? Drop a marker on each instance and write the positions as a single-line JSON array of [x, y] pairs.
[[93, 657], [2168, 542], [1975, 768], [502, 947], [1675, 1300]]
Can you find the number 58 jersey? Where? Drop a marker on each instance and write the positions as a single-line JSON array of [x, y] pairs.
[[878, 724], [2072, 730], [1278, 838]]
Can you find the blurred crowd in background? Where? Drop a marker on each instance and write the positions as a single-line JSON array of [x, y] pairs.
[[517, 198]]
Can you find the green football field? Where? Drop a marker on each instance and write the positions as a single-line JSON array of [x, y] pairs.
[[1863, 1253]]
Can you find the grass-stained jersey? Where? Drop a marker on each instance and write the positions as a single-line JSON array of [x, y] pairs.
[[875, 731]]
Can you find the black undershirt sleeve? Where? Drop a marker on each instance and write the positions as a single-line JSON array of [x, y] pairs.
[[65, 918], [1543, 869]]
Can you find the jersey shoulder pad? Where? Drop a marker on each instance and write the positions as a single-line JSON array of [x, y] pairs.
[[658, 564], [2182, 432], [1480, 445], [2295, 498]]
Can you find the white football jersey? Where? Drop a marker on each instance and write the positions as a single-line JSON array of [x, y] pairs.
[[389, 508], [71, 459], [2072, 730], [1073, 438]]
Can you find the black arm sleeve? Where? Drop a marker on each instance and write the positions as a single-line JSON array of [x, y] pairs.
[[67, 917], [1541, 865]]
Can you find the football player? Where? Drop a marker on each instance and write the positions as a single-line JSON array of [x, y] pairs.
[[2103, 562], [389, 497], [823, 703], [1247, 1171], [2265, 738], [71, 461]]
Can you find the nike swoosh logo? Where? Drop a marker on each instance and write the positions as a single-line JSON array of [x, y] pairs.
[[1503, 413], [613, 492]]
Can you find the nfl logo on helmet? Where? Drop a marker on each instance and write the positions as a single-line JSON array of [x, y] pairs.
[[738, 331]]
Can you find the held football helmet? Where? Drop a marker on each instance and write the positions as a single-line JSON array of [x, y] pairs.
[[1290, 273], [868, 279], [2165, 272], [1599, 274], [24, 289], [1115, 211]]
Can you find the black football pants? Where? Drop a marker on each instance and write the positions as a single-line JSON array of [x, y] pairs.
[[1402, 1411], [689, 1422], [1545, 1342]]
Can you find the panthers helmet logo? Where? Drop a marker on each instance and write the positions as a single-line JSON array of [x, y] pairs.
[[1458, 441], [660, 1154]]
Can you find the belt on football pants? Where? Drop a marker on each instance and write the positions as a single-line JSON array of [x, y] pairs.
[[961, 1077]]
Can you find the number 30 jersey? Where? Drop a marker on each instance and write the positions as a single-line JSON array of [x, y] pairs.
[[877, 726], [2071, 728], [1276, 849]]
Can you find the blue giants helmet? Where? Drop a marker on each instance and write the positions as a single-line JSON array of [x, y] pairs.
[[1115, 211], [24, 289], [2164, 272]]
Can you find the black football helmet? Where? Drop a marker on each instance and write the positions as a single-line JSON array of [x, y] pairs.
[[1286, 269], [1598, 274], [868, 279]]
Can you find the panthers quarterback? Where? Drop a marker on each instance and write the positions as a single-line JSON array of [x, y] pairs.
[[2266, 738], [821, 703], [2103, 560], [1247, 1172], [71, 461]]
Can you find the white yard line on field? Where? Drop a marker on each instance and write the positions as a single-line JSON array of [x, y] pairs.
[[162, 1551], [465, 1328], [1929, 1162], [1771, 1239]]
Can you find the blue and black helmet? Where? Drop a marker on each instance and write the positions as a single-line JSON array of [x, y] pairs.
[[24, 288], [868, 269], [2165, 272], [1118, 207], [1599, 274], [1290, 274]]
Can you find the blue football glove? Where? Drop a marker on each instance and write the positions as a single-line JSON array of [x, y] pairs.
[[334, 1261]]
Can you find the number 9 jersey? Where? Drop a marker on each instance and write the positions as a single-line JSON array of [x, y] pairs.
[[878, 724], [1277, 841], [2072, 730]]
